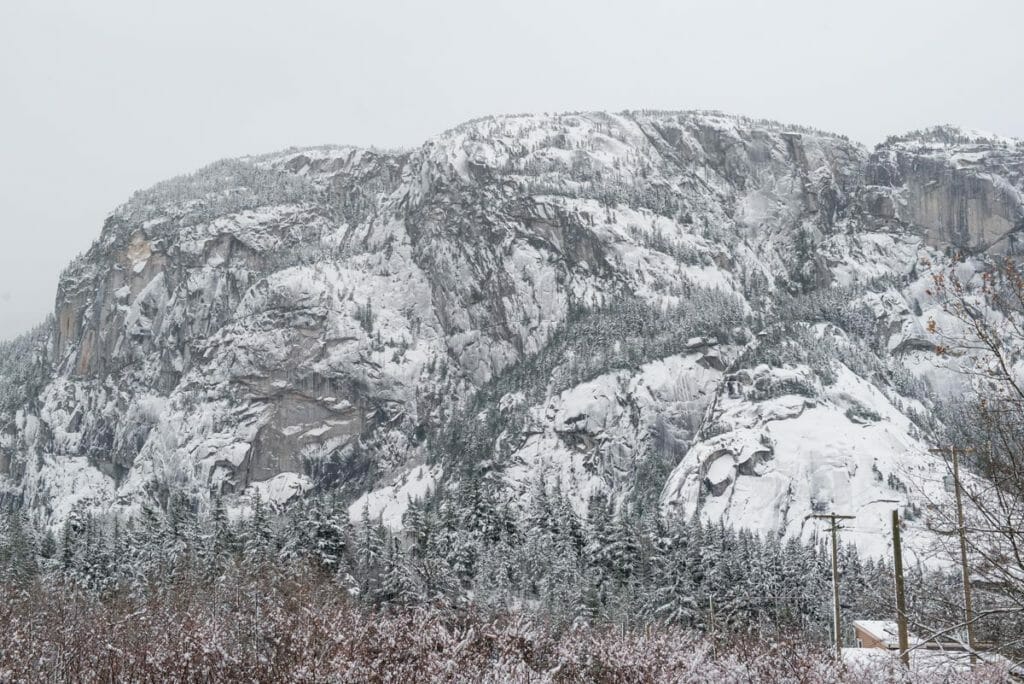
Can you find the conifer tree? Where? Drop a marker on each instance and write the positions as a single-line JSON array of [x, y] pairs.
[[257, 540], [369, 551], [18, 548]]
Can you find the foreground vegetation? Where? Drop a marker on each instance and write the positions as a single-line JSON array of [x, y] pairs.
[[470, 591], [268, 625]]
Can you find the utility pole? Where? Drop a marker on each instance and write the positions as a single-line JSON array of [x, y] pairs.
[[901, 601], [836, 615], [961, 529]]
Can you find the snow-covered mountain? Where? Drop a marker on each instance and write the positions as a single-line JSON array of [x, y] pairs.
[[703, 311]]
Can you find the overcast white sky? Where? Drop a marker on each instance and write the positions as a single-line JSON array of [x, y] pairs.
[[99, 98]]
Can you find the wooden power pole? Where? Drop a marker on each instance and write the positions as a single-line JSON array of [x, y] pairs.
[[901, 601], [836, 615], [961, 530]]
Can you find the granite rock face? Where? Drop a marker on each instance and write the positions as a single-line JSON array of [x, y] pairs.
[[959, 189], [319, 317]]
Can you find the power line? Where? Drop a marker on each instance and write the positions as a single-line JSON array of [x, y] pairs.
[[901, 602], [962, 534], [834, 528]]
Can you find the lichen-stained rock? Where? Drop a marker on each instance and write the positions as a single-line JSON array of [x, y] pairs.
[[319, 317]]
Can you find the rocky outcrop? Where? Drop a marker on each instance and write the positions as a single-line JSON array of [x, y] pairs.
[[960, 190]]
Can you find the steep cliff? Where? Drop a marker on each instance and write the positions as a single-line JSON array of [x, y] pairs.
[[589, 299]]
